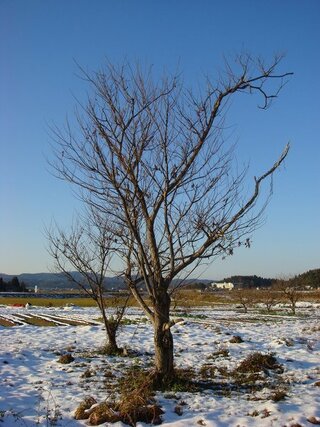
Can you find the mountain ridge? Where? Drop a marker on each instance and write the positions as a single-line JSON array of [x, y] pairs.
[[59, 281]]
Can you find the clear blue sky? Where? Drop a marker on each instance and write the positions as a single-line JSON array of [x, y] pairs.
[[40, 40]]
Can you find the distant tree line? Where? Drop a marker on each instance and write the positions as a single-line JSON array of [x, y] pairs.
[[249, 281], [309, 279], [12, 286]]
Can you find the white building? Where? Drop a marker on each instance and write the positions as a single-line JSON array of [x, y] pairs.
[[223, 285]]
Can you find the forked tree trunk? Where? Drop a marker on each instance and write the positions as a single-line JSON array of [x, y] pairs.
[[111, 346], [163, 341]]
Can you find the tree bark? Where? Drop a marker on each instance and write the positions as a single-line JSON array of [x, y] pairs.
[[111, 345], [163, 340]]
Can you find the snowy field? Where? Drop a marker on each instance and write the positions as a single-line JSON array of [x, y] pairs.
[[35, 389]]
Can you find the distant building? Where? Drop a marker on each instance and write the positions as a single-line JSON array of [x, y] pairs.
[[222, 285]]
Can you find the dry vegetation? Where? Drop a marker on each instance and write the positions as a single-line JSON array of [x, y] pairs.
[[58, 302]]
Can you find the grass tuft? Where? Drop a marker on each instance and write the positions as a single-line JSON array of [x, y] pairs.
[[278, 395], [81, 412], [66, 359], [135, 404], [236, 339], [259, 362]]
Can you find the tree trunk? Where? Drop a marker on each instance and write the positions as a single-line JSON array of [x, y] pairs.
[[111, 345], [163, 341], [110, 325]]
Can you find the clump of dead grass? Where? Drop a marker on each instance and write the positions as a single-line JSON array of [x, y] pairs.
[[182, 380], [278, 395], [66, 358], [135, 403], [236, 339], [102, 413], [81, 412], [250, 376], [88, 373], [259, 362], [107, 350], [314, 420], [223, 352]]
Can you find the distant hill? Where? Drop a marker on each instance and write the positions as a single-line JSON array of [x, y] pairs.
[[57, 281], [50, 281], [309, 279], [191, 284], [249, 281]]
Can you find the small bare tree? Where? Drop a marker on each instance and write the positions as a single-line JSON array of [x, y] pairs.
[[152, 156], [290, 292], [269, 297], [87, 249], [245, 297]]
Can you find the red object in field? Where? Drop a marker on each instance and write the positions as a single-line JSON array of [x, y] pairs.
[[17, 305]]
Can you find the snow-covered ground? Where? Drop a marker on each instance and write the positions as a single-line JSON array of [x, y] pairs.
[[37, 390]]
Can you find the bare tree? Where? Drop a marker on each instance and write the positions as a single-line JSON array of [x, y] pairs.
[[245, 297], [290, 292], [151, 155], [269, 297], [87, 248]]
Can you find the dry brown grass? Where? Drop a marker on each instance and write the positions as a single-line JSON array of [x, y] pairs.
[[59, 302], [258, 362], [236, 339], [181, 298], [65, 359], [6, 323], [191, 298], [81, 412], [101, 414], [36, 321], [47, 302], [135, 403], [278, 395]]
